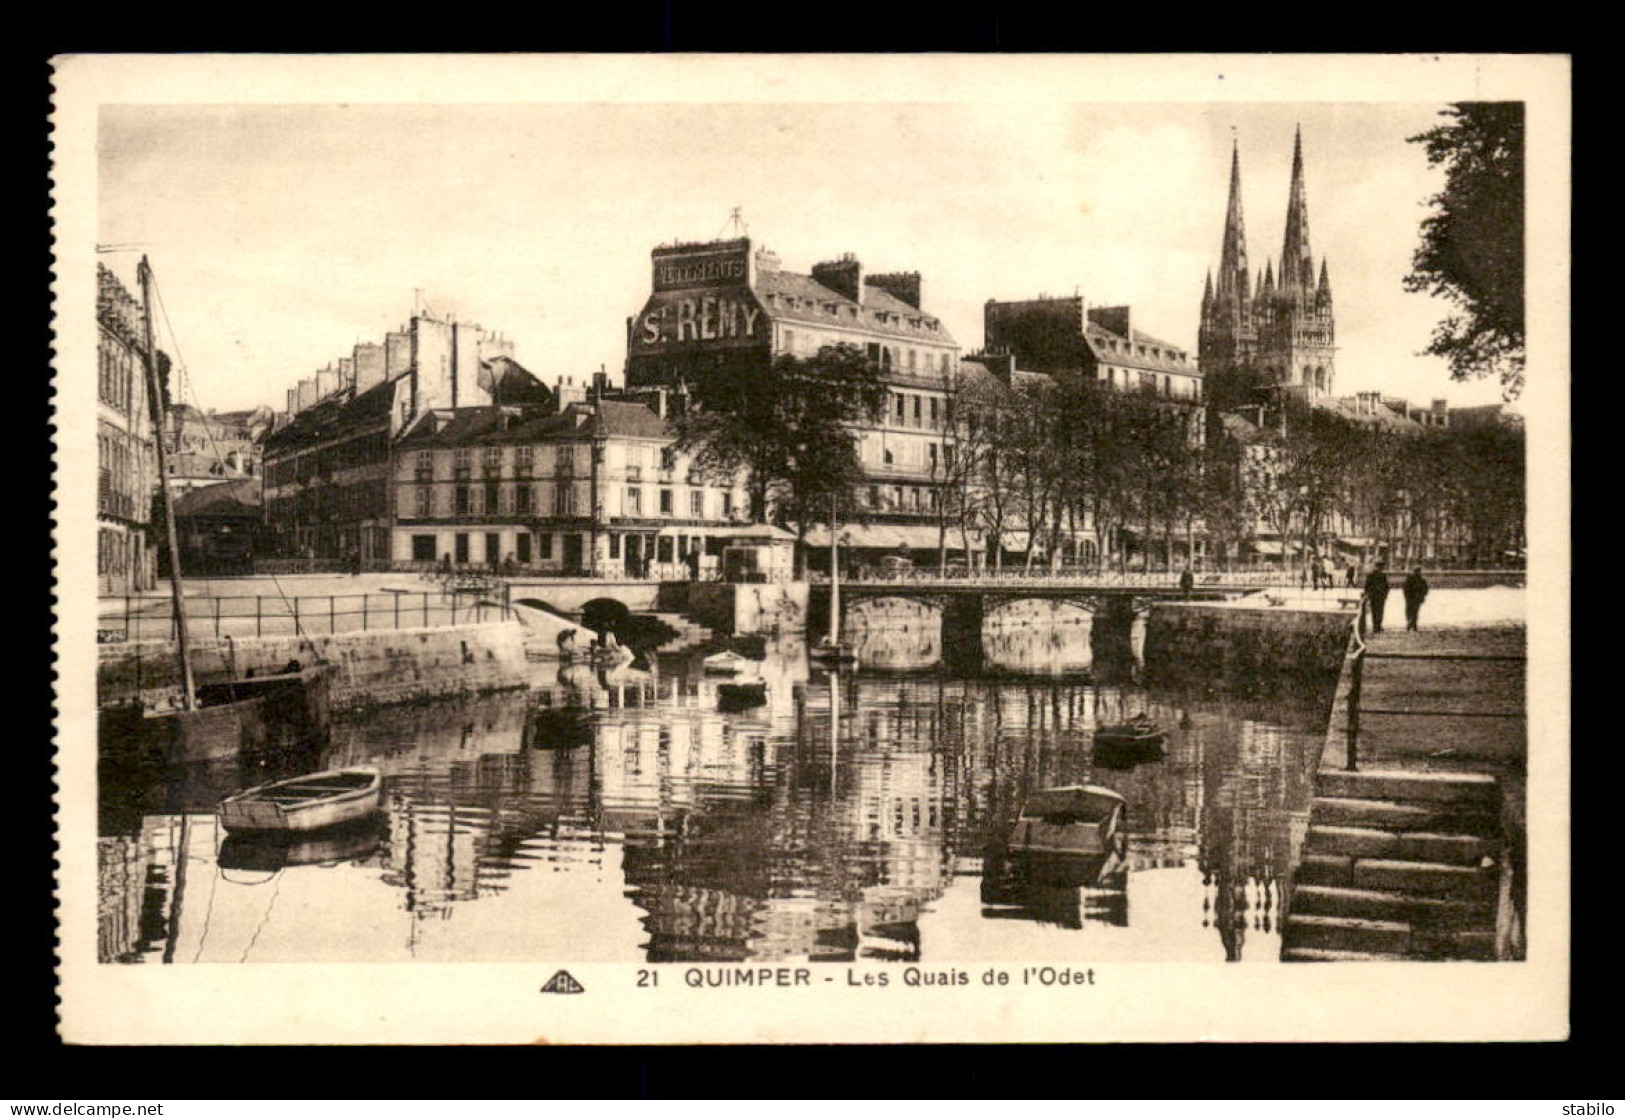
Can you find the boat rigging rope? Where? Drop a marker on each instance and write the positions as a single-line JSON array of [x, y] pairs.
[[277, 892], [208, 430]]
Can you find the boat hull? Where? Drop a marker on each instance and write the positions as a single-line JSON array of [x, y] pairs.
[[289, 806], [259, 816], [249, 718]]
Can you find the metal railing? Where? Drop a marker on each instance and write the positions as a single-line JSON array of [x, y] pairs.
[[152, 618], [1061, 575], [1357, 651]]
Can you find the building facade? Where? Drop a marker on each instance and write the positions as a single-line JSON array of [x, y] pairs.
[[1274, 336], [1065, 337], [596, 488], [210, 448], [126, 454], [328, 471], [720, 306]]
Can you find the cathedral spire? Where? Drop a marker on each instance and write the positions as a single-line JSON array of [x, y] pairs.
[[1325, 280], [1207, 291], [1268, 281], [1233, 257], [1297, 262]]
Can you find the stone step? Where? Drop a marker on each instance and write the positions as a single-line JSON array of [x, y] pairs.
[[1453, 943], [1475, 790], [1321, 955], [1384, 815], [1418, 879], [1399, 846], [1347, 933], [1372, 904]]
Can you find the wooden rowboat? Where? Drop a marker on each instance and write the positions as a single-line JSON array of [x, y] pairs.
[[305, 803], [1078, 819]]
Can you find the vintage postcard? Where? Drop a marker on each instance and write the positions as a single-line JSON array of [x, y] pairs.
[[754, 549]]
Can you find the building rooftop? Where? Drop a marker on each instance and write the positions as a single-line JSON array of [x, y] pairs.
[[801, 298], [337, 414], [244, 497], [454, 427]]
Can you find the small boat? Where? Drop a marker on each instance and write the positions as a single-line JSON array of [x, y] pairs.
[[1129, 743], [741, 696], [1138, 732], [283, 713], [727, 662], [1078, 819], [305, 803]]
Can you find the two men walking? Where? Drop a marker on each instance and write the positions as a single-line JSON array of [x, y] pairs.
[[1415, 589]]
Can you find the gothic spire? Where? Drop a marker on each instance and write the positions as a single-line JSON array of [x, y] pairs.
[[1325, 280], [1207, 290], [1297, 262], [1233, 257], [1269, 274]]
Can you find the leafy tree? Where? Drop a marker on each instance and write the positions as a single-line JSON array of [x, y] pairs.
[[970, 423], [1472, 243], [788, 429]]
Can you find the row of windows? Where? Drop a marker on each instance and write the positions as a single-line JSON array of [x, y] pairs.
[[116, 379], [494, 460], [116, 474], [1143, 351], [911, 409], [924, 456], [886, 356], [118, 553], [492, 499], [1162, 385], [903, 498], [359, 451]]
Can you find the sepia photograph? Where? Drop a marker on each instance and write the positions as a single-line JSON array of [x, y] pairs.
[[782, 550]]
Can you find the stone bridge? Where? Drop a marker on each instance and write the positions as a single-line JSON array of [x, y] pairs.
[[968, 601]]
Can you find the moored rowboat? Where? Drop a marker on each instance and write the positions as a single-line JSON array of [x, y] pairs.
[[305, 803]]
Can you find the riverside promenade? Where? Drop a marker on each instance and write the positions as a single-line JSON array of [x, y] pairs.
[[1417, 835]]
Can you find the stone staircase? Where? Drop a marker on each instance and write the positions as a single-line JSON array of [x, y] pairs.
[[1398, 865]]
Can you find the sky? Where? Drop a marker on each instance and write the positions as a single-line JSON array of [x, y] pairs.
[[282, 235]]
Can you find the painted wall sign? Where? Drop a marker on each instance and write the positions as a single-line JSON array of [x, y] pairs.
[[680, 269], [680, 320]]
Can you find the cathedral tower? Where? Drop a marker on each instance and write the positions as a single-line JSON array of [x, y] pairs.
[[1278, 340]]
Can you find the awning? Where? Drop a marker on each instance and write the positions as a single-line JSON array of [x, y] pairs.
[[763, 532], [1358, 543], [1273, 547], [890, 537]]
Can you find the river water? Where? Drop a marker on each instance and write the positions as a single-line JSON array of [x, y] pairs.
[[858, 815]]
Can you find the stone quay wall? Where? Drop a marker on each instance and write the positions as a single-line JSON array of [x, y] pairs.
[[1245, 649], [375, 668], [736, 608]]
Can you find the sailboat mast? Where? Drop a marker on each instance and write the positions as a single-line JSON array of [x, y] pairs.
[[155, 406], [834, 575]]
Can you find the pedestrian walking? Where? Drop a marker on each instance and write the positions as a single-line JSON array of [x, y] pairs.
[[1352, 572], [1416, 592], [1187, 581], [1376, 592]]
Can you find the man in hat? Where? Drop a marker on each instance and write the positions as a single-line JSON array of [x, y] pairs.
[[1415, 591], [1376, 592]]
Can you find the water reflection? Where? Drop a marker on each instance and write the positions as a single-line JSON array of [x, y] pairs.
[[622, 816]]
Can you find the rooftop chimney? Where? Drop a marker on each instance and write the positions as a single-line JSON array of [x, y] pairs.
[[900, 285], [844, 275]]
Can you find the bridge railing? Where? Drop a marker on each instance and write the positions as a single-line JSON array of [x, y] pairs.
[[917, 576], [150, 617]]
